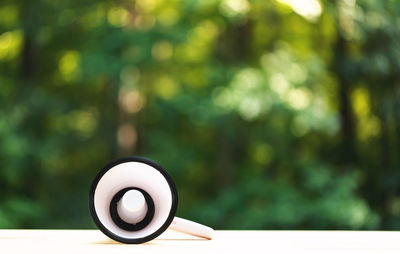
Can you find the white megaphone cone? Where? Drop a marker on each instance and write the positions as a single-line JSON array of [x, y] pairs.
[[134, 200]]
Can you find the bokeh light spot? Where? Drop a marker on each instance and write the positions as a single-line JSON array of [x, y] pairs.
[[262, 153], [298, 98], [131, 102], [360, 98], [127, 136], [162, 50], [9, 15], [166, 87], [10, 44], [231, 8], [309, 9], [118, 16], [168, 17], [69, 65], [82, 121]]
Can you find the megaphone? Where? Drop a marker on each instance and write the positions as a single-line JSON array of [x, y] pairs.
[[134, 200]]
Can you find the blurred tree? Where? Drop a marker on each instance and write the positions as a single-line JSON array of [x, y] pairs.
[[268, 114]]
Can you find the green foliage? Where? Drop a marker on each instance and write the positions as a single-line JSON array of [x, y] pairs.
[[268, 114]]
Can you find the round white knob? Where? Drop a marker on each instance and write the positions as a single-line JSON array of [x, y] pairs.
[[132, 207]]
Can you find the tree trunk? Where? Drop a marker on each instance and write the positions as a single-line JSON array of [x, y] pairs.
[[347, 123]]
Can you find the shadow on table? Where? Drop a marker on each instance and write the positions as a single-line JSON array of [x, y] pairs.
[[153, 242]]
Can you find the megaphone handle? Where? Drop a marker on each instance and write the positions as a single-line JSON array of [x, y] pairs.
[[191, 228]]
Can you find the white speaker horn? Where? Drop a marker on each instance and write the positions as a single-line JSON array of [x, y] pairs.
[[134, 200]]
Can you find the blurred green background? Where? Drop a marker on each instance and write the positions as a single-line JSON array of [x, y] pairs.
[[276, 114]]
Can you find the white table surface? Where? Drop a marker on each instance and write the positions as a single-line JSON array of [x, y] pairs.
[[224, 242]]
